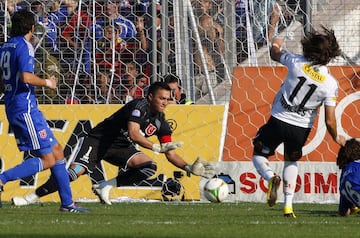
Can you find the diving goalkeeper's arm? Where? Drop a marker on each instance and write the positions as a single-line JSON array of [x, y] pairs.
[[198, 168]]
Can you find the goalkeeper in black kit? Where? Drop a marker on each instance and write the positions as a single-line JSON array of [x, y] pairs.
[[116, 141]]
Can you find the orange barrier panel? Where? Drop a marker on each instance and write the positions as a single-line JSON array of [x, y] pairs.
[[252, 93]]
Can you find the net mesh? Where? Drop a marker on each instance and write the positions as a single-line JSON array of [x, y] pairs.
[[99, 51]]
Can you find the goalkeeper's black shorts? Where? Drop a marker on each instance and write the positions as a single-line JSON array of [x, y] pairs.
[[93, 150]]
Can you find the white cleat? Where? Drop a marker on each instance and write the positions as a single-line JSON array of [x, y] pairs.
[[25, 200], [103, 193]]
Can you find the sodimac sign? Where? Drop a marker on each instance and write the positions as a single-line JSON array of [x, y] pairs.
[[316, 181]]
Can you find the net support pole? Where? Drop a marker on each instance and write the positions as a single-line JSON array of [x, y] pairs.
[[93, 43], [77, 61], [154, 41], [250, 36], [6, 13], [164, 38], [113, 44], [229, 57], [201, 52], [183, 44]]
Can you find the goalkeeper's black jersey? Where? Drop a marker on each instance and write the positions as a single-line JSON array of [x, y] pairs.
[[114, 129]]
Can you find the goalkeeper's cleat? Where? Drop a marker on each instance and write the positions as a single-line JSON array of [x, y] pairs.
[[94, 187], [25, 200], [354, 211], [273, 186], [73, 208], [288, 212], [103, 193]]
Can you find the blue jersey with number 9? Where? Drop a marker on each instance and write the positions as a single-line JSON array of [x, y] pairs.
[[32, 133], [16, 57]]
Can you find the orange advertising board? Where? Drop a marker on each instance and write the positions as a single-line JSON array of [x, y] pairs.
[[253, 91]]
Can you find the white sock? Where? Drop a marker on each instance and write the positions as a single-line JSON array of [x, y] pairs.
[[111, 182], [261, 164], [290, 173], [31, 197]]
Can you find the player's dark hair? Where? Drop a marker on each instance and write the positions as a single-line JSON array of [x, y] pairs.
[[320, 47], [22, 21], [156, 86], [348, 153]]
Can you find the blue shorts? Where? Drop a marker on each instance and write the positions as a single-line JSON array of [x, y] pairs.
[[32, 133]]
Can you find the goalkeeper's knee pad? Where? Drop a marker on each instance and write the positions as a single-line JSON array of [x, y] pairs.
[[148, 169], [132, 176], [145, 170]]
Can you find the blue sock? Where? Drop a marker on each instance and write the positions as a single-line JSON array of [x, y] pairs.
[[63, 182], [27, 168]]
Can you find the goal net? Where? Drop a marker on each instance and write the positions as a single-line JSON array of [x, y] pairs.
[[99, 50]]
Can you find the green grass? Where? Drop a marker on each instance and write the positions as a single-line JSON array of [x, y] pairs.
[[173, 219]]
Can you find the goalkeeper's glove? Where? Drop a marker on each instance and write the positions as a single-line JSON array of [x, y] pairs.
[[165, 147], [199, 168]]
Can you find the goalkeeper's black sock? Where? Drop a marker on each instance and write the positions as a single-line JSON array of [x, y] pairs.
[[48, 187], [97, 176]]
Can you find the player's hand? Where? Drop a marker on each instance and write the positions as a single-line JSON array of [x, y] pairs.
[[341, 140], [165, 147], [51, 82], [200, 168]]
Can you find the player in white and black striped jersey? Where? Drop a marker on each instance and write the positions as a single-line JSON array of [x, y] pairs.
[[307, 86]]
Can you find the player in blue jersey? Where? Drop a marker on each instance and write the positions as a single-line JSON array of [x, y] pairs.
[[348, 161], [307, 86], [31, 130]]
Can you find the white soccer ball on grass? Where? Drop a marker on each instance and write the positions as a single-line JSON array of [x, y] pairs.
[[216, 190]]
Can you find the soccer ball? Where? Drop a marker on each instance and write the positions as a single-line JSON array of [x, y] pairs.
[[216, 190]]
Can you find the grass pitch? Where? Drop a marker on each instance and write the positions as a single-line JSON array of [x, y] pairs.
[[176, 219]]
